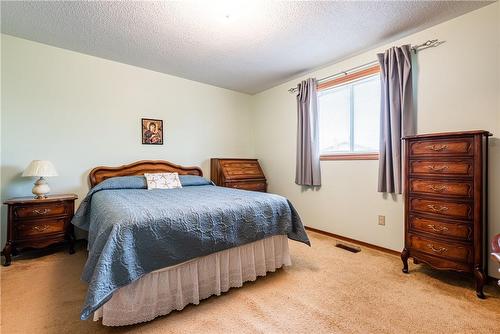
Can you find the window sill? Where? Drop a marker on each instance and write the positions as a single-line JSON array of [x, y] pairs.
[[349, 156]]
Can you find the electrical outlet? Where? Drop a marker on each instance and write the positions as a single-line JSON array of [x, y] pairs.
[[381, 220]]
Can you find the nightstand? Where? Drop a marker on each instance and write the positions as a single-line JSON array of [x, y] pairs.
[[38, 223]]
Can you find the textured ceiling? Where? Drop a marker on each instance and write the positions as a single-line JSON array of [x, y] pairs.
[[245, 46]]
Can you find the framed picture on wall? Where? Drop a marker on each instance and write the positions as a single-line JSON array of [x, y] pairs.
[[152, 131]]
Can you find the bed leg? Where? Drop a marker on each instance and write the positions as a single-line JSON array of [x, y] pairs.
[[71, 239]]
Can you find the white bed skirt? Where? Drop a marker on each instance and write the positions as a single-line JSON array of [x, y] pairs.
[[172, 288]]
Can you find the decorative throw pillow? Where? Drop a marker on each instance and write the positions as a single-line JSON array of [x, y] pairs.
[[163, 180]]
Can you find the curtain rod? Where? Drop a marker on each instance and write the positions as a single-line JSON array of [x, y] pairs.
[[428, 44]]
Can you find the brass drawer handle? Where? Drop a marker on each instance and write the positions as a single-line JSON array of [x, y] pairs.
[[35, 228], [41, 212], [437, 168], [437, 148], [438, 189], [437, 250], [437, 229], [40, 228], [436, 208]]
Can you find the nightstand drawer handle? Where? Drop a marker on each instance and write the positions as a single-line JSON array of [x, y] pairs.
[[40, 228], [436, 208], [437, 168], [437, 229], [41, 212], [437, 250], [438, 189], [437, 148]]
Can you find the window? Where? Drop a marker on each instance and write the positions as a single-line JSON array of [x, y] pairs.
[[349, 112]]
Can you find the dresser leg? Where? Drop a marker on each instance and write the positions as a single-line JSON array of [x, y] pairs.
[[404, 257], [480, 280], [7, 251]]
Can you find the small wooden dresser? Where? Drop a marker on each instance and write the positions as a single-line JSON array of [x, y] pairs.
[[238, 173], [38, 223], [445, 202]]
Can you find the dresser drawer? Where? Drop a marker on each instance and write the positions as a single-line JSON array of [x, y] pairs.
[[442, 263], [441, 167], [447, 250], [254, 186], [441, 187], [442, 147], [27, 229], [442, 208], [450, 229], [40, 210], [241, 169]]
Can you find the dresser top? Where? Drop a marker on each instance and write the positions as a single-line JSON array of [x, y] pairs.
[[33, 200], [451, 134]]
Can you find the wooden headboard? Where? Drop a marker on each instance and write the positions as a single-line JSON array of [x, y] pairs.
[[99, 174]]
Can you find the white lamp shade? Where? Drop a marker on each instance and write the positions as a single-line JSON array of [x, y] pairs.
[[40, 168]]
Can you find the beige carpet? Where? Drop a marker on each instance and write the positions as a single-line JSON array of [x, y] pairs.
[[327, 290]]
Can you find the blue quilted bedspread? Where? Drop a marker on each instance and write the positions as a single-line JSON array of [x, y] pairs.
[[134, 231]]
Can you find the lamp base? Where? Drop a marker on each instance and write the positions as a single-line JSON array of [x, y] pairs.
[[41, 188]]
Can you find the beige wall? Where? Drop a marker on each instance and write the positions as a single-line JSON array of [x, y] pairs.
[[457, 89], [81, 111]]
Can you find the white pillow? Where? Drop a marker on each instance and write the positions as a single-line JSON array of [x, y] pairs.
[[163, 180]]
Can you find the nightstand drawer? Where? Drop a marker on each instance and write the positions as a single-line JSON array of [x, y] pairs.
[[40, 210], [30, 228]]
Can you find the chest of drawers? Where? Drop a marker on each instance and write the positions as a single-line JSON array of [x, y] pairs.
[[243, 174], [445, 202]]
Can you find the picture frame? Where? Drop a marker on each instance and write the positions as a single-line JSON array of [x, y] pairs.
[[152, 131]]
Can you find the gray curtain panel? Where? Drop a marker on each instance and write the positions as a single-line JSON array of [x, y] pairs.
[[307, 172], [396, 115]]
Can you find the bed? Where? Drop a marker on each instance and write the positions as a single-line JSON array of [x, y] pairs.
[[155, 251]]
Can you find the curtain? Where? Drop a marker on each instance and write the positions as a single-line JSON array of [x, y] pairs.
[[307, 171], [396, 115]]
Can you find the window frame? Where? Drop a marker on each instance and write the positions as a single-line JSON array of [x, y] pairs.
[[346, 79]]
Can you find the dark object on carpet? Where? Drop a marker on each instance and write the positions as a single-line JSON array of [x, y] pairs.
[[348, 247]]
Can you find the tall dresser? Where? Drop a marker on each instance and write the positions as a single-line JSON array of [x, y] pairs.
[[243, 174], [445, 202]]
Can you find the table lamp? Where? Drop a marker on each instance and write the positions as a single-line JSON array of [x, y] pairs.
[[42, 169]]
